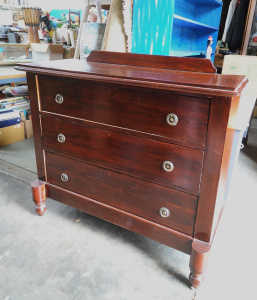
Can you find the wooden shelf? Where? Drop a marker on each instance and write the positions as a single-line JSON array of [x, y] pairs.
[[188, 23], [13, 45], [9, 62]]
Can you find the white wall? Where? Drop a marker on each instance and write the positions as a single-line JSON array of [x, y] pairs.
[[62, 4], [5, 17], [57, 4]]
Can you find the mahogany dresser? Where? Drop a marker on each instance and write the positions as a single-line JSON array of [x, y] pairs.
[[141, 141]]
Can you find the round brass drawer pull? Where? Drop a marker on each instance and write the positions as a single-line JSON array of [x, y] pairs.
[[61, 138], [172, 119], [64, 177], [168, 166], [59, 99], [164, 212]]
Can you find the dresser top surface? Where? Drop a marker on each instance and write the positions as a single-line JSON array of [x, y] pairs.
[[142, 76]]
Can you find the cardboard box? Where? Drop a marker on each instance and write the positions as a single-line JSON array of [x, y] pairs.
[[255, 112], [11, 134], [68, 52], [27, 128], [243, 65], [42, 52], [218, 60]]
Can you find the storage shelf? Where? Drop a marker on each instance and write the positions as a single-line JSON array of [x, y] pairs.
[[11, 7], [14, 45], [188, 23], [186, 53], [103, 2], [209, 2]]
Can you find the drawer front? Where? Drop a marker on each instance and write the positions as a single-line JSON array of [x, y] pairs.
[[141, 110], [129, 194], [129, 154]]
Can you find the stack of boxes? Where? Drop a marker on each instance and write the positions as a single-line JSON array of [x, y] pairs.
[[15, 119]]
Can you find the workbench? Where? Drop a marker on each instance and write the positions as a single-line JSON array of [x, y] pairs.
[[8, 75]]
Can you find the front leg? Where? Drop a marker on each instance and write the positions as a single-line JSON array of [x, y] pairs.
[[39, 196], [198, 262]]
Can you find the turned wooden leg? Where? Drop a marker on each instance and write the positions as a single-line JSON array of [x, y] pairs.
[[39, 196], [198, 263]]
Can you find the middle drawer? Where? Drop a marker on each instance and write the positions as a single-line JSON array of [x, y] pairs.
[[167, 164]]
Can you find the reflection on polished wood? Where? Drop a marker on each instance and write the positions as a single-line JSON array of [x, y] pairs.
[[104, 146]]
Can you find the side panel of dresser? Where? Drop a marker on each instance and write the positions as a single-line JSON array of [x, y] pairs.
[[34, 106], [217, 157], [131, 222], [213, 186], [235, 116]]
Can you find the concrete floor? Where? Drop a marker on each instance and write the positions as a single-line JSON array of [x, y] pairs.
[[67, 254]]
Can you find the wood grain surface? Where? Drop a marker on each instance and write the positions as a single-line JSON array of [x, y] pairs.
[[113, 119], [154, 61], [135, 156], [34, 107], [139, 110], [159, 233], [153, 78], [130, 194]]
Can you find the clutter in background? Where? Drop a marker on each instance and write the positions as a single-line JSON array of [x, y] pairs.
[[15, 115]]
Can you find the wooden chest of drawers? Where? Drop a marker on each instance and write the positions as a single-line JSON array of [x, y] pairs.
[[141, 141]]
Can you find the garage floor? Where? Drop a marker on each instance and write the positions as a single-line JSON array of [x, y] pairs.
[[67, 254]]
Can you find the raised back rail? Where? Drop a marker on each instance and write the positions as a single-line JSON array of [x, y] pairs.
[[153, 61]]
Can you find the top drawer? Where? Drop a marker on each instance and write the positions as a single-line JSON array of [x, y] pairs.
[[130, 108]]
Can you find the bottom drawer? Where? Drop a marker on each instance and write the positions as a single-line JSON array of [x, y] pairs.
[[124, 192]]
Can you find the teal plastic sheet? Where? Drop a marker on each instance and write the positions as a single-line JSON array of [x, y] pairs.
[[152, 26]]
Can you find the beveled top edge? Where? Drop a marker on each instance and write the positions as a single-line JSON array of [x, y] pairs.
[[203, 83]]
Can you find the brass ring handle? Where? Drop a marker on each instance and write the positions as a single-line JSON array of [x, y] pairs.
[[164, 212], [59, 99], [64, 177], [168, 166], [172, 119], [61, 138]]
